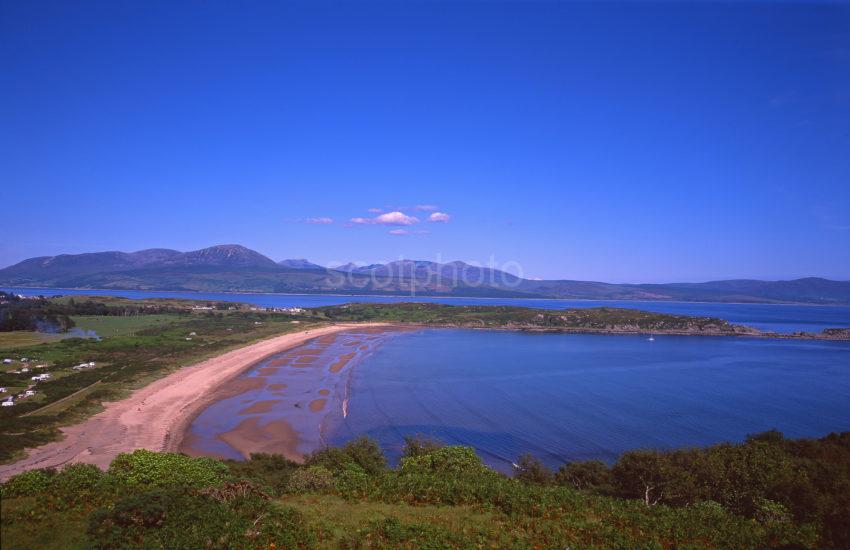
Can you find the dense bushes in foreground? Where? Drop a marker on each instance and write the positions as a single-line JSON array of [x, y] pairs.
[[728, 496]]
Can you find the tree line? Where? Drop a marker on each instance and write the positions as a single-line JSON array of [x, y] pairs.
[[46, 315]]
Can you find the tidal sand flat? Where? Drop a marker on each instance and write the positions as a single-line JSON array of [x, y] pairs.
[[287, 403]]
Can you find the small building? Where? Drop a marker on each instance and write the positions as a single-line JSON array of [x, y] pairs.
[[8, 403], [7, 361], [2, 390], [25, 369], [29, 393]]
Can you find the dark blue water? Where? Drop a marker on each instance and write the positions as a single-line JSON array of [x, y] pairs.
[[577, 397], [770, 317]]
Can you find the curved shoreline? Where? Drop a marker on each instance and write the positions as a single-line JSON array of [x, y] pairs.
[[157, 416]]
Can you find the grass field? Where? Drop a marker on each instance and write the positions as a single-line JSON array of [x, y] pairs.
[[107, 326], [24, 338]]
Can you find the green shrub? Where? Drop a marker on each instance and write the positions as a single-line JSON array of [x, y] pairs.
[[272, 471], [29, 483], [447, 460], [353, 482], [147, 468], [590, 475], [416, 445], [183, 519], [529, 469], [78, 478], [311, 479], [362, 451], [77, 484], [768, 511]]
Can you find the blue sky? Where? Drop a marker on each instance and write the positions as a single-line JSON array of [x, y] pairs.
[[636, 142]]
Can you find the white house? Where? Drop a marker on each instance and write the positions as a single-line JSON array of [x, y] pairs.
[[7, 403], [29, 393], [2, 390], [7, 361], [25, 369]]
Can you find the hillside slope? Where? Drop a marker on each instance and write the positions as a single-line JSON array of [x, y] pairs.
[[236, 268]]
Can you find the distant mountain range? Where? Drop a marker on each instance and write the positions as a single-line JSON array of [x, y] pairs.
[[239, 269]]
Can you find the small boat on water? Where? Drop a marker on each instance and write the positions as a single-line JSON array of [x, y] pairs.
[[651, 338]]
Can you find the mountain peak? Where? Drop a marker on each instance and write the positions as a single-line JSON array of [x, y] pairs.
[[226, 255]]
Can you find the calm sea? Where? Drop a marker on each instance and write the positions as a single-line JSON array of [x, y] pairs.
[[772, 317], [577, 397]]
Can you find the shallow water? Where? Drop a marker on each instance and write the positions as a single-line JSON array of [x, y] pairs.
[[560, 397], [307, 388], [577, 397], [770, 317]]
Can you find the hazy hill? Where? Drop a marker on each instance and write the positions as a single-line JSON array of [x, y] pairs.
[[236, 268], [300, 263]]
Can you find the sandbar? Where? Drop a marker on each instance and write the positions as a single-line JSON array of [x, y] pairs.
[[260, 407], [343, 360]]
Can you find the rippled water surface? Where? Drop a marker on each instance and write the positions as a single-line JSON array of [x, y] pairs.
[[568, 397]]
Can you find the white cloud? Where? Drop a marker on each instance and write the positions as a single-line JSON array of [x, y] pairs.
[[439, 217], [322, 220], [406, 232], [376, 210], [390, 218], [426, 207]]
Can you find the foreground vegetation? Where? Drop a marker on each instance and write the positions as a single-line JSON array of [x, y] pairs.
[[765, 493]]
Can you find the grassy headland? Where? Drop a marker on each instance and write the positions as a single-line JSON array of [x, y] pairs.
[[604, 320]]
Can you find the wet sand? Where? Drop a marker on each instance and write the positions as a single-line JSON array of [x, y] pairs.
[[259, 407], [343, 360], [316, 376], [156, 417], [276, 436]]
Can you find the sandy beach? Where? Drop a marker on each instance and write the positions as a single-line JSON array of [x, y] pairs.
[[282, 404], [155, 417]]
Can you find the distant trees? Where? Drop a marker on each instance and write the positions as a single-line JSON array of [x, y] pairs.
[[32, 314], [591, 475], [531, 470], [768, 478], [417, 445], [45, 315]]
